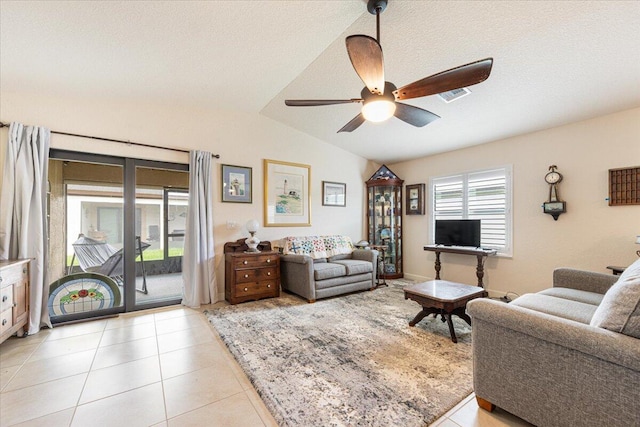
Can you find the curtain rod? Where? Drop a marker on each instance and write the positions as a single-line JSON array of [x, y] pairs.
[[138, 144]]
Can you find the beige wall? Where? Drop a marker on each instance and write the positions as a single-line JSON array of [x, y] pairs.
[[240, 139], [591, 235]]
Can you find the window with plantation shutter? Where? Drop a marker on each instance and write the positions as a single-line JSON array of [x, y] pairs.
[[483, 195]]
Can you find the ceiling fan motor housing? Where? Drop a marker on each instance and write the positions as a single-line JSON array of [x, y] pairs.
[[387, 95], [374, 5]]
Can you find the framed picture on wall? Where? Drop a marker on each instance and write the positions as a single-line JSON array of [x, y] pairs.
[[236, 184], [415, 199], [287, 194], [334, 193]]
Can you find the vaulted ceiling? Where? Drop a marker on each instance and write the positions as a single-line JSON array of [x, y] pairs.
[[555, 62]]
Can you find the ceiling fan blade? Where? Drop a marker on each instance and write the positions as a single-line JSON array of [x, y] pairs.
[[413, 115], [366, 57], [316, 102], [463, 76], [353, 124]]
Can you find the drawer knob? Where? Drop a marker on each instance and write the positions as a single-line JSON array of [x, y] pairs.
[[268, 286], [246, 289], [245, 262], [246, 275], [4, 322], [4, 298], [269, 260], [268, 273]]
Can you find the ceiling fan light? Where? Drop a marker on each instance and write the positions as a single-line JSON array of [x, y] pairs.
[[378, 111]]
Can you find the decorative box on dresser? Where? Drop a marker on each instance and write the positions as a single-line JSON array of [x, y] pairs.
[[250, 275], [14, 297]]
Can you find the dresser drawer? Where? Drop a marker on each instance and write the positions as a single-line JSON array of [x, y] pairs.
[[255, 261], [6, 321], [256, 274], [6, 298], [13, 274], [265, 287]]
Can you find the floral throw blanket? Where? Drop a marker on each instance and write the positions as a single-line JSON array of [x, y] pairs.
[[318, 246]]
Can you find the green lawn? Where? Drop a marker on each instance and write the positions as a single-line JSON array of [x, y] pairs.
[[149, 255]]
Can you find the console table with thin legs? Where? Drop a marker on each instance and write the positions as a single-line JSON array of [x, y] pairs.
[[480, 253]]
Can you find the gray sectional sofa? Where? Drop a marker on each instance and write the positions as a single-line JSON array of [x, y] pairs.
[[565, 356]]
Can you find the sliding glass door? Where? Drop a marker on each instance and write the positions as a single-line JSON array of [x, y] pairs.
[[161, 211], [114, 230], [85, 213]]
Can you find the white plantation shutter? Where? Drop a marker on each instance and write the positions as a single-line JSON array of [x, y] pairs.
[[484, 195], [449, 197]]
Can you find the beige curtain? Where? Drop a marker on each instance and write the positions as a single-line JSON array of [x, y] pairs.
[[23, 212], [198, 268]]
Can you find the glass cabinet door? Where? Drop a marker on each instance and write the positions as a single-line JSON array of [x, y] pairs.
[[384, 221]]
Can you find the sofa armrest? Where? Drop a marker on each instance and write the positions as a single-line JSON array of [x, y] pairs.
[[370, 255], [298, 259], [582, 280], [610, 346], [296, 275]]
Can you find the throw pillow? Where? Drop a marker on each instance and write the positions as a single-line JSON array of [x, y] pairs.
[[619, 310]]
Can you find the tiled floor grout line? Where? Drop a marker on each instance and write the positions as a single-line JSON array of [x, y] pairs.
[[84, 385], [164, 395]]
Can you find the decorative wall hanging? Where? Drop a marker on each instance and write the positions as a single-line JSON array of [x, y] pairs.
[[415, 199], [624, 186], [236, 184], [287, 194], [334, 193], [554, 206]]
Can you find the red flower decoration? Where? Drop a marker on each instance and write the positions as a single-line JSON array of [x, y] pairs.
[[83, 293]]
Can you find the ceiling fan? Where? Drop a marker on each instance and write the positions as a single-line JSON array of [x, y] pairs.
[[379, 97]]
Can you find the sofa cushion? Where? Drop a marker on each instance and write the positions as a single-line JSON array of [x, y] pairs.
[[328, 270], [575, 295], [355, 266], [560, 307], [344, 282], [620, 307]]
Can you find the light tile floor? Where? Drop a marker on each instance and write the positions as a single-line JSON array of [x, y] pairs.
[[164, 367]]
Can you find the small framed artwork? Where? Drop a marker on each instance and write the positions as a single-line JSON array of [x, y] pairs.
[[287, 194], [334, 193], [236, 184], [415, 199]]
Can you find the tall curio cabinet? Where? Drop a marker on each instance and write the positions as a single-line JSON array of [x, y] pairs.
[[384, 219]]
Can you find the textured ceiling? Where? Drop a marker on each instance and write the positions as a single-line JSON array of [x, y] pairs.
[[555, 62]]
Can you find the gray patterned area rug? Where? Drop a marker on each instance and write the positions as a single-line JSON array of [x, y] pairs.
[[351, 360]]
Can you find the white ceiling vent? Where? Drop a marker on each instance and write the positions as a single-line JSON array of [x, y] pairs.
[[452, 95]]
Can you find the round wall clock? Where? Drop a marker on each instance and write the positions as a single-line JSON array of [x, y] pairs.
[[553, 177]]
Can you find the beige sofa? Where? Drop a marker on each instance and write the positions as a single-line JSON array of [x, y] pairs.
[[565, 356], [315, 267]]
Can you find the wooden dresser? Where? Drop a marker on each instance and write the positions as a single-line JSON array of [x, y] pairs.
[[250, 276], [14, 297]]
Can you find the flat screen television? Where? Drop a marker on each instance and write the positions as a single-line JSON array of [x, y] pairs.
[[458, 232]]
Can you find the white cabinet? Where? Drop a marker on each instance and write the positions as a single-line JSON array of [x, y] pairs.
[[14, 297]]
